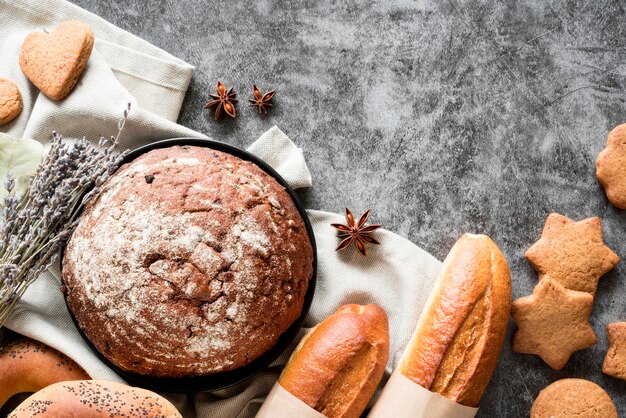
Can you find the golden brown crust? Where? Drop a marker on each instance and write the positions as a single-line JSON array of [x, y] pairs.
[[337, 366], [457, 342], [94, 399], [568, 398], [28, 366], [53, 62]]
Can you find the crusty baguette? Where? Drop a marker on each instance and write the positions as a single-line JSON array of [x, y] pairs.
[[94, 399], [338, 364], [458, 338]]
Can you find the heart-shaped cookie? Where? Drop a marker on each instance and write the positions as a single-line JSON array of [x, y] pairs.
[[53, 62]]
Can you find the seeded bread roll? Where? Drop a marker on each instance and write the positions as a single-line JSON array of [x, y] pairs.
[[338, 364], [94, 399], [460, 333], [28, 366], [190, 262]]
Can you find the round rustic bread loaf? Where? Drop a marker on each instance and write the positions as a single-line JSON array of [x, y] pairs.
[[190, 262]]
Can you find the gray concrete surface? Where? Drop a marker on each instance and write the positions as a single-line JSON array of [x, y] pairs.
[[443, 117]]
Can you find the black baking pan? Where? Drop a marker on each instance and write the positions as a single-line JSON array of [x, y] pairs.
[[212, 382]]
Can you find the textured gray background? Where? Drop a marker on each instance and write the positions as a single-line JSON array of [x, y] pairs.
[[443, 117]]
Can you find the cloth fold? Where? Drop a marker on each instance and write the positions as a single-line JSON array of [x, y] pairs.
[[276, 149], [396, 275], [157, 79]]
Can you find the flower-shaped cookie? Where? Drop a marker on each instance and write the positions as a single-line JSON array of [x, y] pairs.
[[611, 167]]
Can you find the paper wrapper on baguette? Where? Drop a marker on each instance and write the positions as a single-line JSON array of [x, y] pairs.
[[282, 404], [336, 367], [403, 398], [457, 341]]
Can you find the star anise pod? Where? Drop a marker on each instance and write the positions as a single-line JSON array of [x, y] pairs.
[[262, 101], [224, 100], [357, 232]]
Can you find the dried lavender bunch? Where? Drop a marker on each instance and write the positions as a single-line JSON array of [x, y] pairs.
[[37, 225]]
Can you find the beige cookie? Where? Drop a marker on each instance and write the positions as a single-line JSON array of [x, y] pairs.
[[611, 167], [10, 101], [572, 253], [569, 398], [615, 360], [53, 62], [552, 323]]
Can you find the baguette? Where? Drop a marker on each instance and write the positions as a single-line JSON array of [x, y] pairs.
[[337, 365], [458, 338]]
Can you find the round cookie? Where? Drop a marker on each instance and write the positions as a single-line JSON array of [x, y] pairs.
[[10, 101], [611, 167], [573, 398]]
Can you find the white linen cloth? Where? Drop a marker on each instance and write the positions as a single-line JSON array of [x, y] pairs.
[[396, 275]]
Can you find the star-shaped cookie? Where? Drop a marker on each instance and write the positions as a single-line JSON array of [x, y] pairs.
[[572, 253], [615, 360], [553, 322], [611, 167]]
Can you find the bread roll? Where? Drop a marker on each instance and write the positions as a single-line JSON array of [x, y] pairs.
[[338, 364], [28, 366], [94, 399], [458, 338]]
